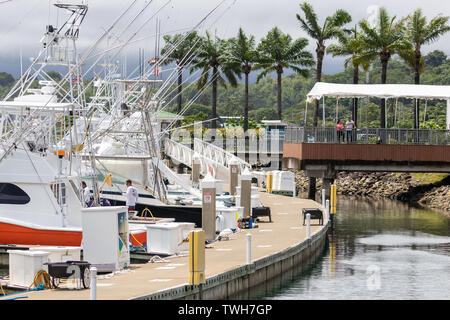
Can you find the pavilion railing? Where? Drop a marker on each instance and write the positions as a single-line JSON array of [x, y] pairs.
[[368, 136]]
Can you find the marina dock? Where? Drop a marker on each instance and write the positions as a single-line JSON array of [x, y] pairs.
[[277, 246]]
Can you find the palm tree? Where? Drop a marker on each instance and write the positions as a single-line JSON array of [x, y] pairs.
[[419, 33], [181, 49], [332, 28], [349, 45], [382, 41], [243, 53], [212, 59], [278, 51]]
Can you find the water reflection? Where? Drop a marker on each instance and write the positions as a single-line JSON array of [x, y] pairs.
[[380, 249]]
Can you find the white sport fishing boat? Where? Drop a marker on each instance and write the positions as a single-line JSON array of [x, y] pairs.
[[40, 196], [48, 133]]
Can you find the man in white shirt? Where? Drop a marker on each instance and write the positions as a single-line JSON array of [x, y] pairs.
[[132, 196], [86, 194], [350, 126]]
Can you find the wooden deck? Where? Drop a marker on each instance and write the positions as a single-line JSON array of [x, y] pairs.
[[299, 155]]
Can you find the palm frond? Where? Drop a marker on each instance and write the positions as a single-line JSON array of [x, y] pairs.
[[310, 24]]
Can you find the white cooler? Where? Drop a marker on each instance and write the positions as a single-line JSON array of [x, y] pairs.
[[255, 191], [23, 265], [166, 238], [255, 203], [226, 217]]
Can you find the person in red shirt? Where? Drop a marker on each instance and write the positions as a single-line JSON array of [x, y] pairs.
[[340, 130]]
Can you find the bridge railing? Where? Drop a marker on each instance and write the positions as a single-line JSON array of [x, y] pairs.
[[368, 136]]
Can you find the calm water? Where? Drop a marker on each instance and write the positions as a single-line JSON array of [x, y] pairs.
[[379, 250]]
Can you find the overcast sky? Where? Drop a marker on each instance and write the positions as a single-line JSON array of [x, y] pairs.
[[22, 22]]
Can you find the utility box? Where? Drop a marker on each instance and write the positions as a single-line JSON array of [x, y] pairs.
[[23, 265], [60, 254], [168, 238], [106, 238]]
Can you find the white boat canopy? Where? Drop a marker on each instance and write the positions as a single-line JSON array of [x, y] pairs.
[[385, 91]]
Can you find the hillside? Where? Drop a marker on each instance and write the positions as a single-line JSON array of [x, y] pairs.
[[262, 96]]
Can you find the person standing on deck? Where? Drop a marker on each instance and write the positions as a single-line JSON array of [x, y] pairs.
[[132, 196], [350, 126], [340, 130], [86, 194]]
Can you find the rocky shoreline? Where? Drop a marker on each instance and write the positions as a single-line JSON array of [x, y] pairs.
[[405, 187]]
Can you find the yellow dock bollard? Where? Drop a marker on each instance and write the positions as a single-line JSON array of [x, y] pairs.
[[333, 199], [269, 182], [197, 257]]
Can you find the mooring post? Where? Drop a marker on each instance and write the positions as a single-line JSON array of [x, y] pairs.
[[333, 204], [93, 284], [246, 192], [308, 226], [249, 248], [208, 186], [323, 198], [196, 166], [234, 176], [327, 210]]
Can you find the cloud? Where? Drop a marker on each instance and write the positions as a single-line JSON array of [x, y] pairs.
[[23, 22]]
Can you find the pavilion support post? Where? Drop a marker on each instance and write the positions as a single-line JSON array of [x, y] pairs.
[[416, 114], [448, 114], [355, 111]]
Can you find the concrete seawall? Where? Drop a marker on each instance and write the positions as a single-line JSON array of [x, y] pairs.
[[238, 283]]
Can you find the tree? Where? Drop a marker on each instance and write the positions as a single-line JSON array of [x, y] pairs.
[[435, 58], [332, 28], [419, 33], [383, 40], [243, 53], [181, 48], [55, 76], [6, 79], [346, 47], [215, 67], [277, 52]]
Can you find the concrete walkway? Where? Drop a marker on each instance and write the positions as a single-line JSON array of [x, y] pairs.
[[285, 231]]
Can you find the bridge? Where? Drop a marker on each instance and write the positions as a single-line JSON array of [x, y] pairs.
[[211, 158], [319, 152]]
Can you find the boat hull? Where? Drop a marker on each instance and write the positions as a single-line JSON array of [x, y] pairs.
[[21, 235]]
